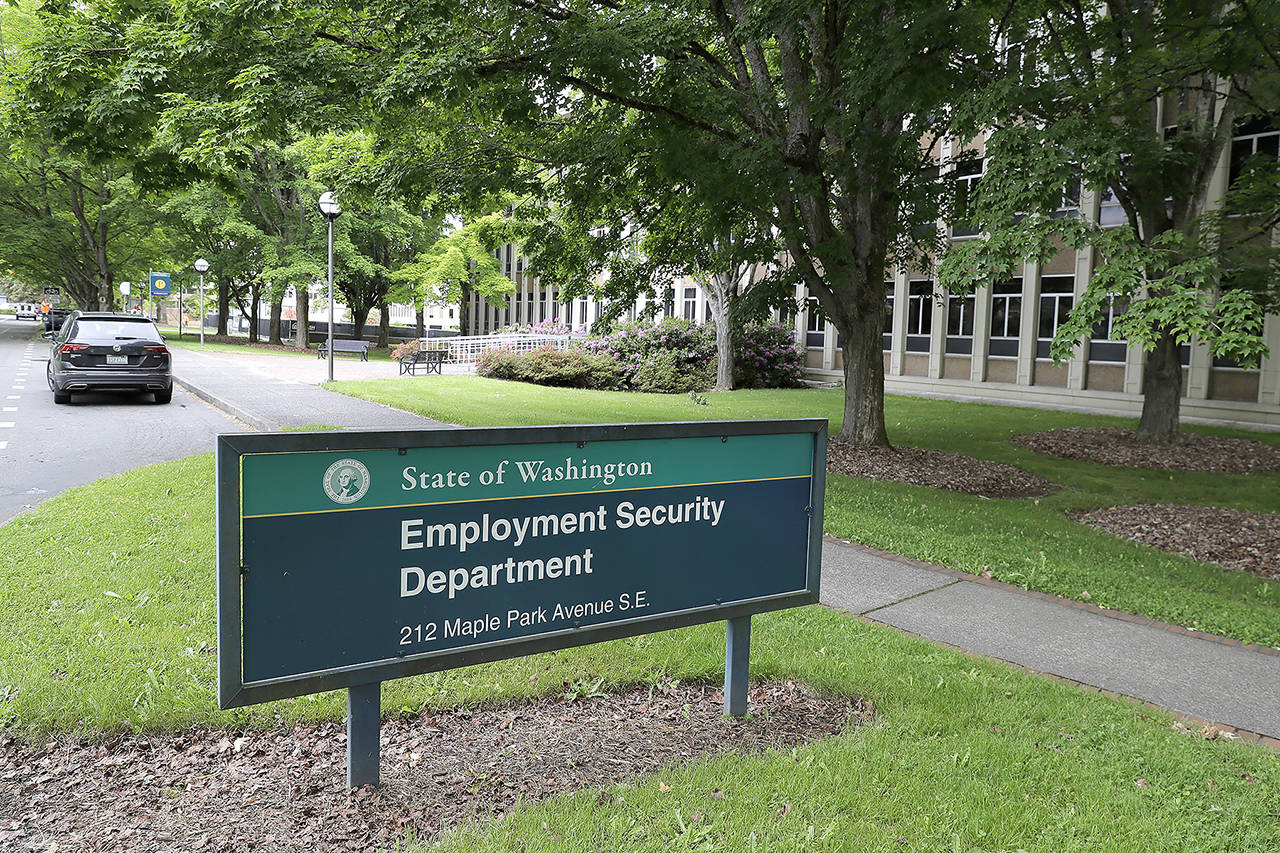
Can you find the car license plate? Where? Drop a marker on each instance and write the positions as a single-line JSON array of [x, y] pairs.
[[117, 359]]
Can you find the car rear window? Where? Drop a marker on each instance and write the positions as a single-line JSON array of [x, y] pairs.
[[120, 330]]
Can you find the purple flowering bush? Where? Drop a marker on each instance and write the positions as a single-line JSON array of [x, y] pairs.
[[766, 355], [674, 356]]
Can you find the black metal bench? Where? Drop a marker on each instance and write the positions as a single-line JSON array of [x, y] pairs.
[[360, 348], [430, 360]]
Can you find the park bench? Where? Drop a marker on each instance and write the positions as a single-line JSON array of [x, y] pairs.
[[360, 348], [429, 359]]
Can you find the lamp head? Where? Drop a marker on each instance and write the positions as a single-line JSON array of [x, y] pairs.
[[329, 205]]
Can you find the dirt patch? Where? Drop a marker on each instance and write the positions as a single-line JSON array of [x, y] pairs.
[[1191, 452], [1249, 541], [286, 791], [936, 469]]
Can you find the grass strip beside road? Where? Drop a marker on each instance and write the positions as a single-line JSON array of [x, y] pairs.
[[191, 340], [1028, 542], [108, 624]]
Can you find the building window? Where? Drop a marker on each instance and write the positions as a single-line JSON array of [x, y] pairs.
[[1254, 137], [1006, 317], [582, 313], [960, 324], [450, 313], [691, 304], [967, 175], [1110, 211], [888, 317], [1104, 345], [669, 303], [1069, 203], [919, 315], [1057, 294], [815, 326], [555, 305]]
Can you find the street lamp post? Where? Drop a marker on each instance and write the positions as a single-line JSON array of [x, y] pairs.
[[329, 209], [202, 267]]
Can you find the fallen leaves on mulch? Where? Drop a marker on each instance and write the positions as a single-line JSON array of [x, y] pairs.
[[1237, 540], [286, 790], [936, 469], [1190, 452]]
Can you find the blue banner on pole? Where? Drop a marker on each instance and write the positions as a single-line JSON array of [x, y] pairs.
[[161, 285]]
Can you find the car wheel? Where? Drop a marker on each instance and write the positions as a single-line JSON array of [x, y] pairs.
[[48, 375], [62, 396], [164, 396]]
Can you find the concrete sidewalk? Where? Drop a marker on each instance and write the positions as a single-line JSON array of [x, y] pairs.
[[1209, 678], [1205, 677], [272, 392]]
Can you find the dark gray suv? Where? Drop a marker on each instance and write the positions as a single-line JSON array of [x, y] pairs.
[[108, 352]]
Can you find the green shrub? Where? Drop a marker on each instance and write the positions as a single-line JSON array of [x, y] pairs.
[[668, 373], [571, 368]]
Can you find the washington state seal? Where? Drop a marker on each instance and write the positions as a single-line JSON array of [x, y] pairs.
[[346, 481]]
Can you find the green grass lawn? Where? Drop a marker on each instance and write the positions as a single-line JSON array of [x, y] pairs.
[[190, 339], [107, 623], [1029, 542]]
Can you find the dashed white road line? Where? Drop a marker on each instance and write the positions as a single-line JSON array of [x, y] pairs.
[[9, 409], [3, 445], [6, 424], [13, 397]]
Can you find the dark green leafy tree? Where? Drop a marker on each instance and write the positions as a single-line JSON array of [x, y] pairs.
[[816, 109], [1137, 100]]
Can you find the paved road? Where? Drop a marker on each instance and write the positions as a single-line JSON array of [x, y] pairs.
[[46, 449]]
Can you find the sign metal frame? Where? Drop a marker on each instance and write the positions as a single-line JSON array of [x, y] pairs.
[[234, 692]]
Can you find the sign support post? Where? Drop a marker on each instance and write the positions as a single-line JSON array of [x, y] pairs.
[[737, 647], [364, 724]]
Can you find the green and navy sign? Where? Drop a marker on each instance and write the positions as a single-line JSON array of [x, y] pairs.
[[161, 284], [349, 557]]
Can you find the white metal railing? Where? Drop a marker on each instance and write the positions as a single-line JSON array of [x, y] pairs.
[[466, 350]]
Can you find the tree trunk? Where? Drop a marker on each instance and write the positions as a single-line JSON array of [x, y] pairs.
[[719, 307], [422, 329], [302, 339], [224, 306], [253, 317], [862, 347], [464, 310], [1161, 392], [273, 329], [358, 317], [384, 324]]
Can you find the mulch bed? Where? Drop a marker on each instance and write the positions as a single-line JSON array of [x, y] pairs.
[[285, 790], [936, 469], [1249, 541], [1190, 452]]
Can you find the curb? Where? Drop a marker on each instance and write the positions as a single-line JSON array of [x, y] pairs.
[[255, 422]]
